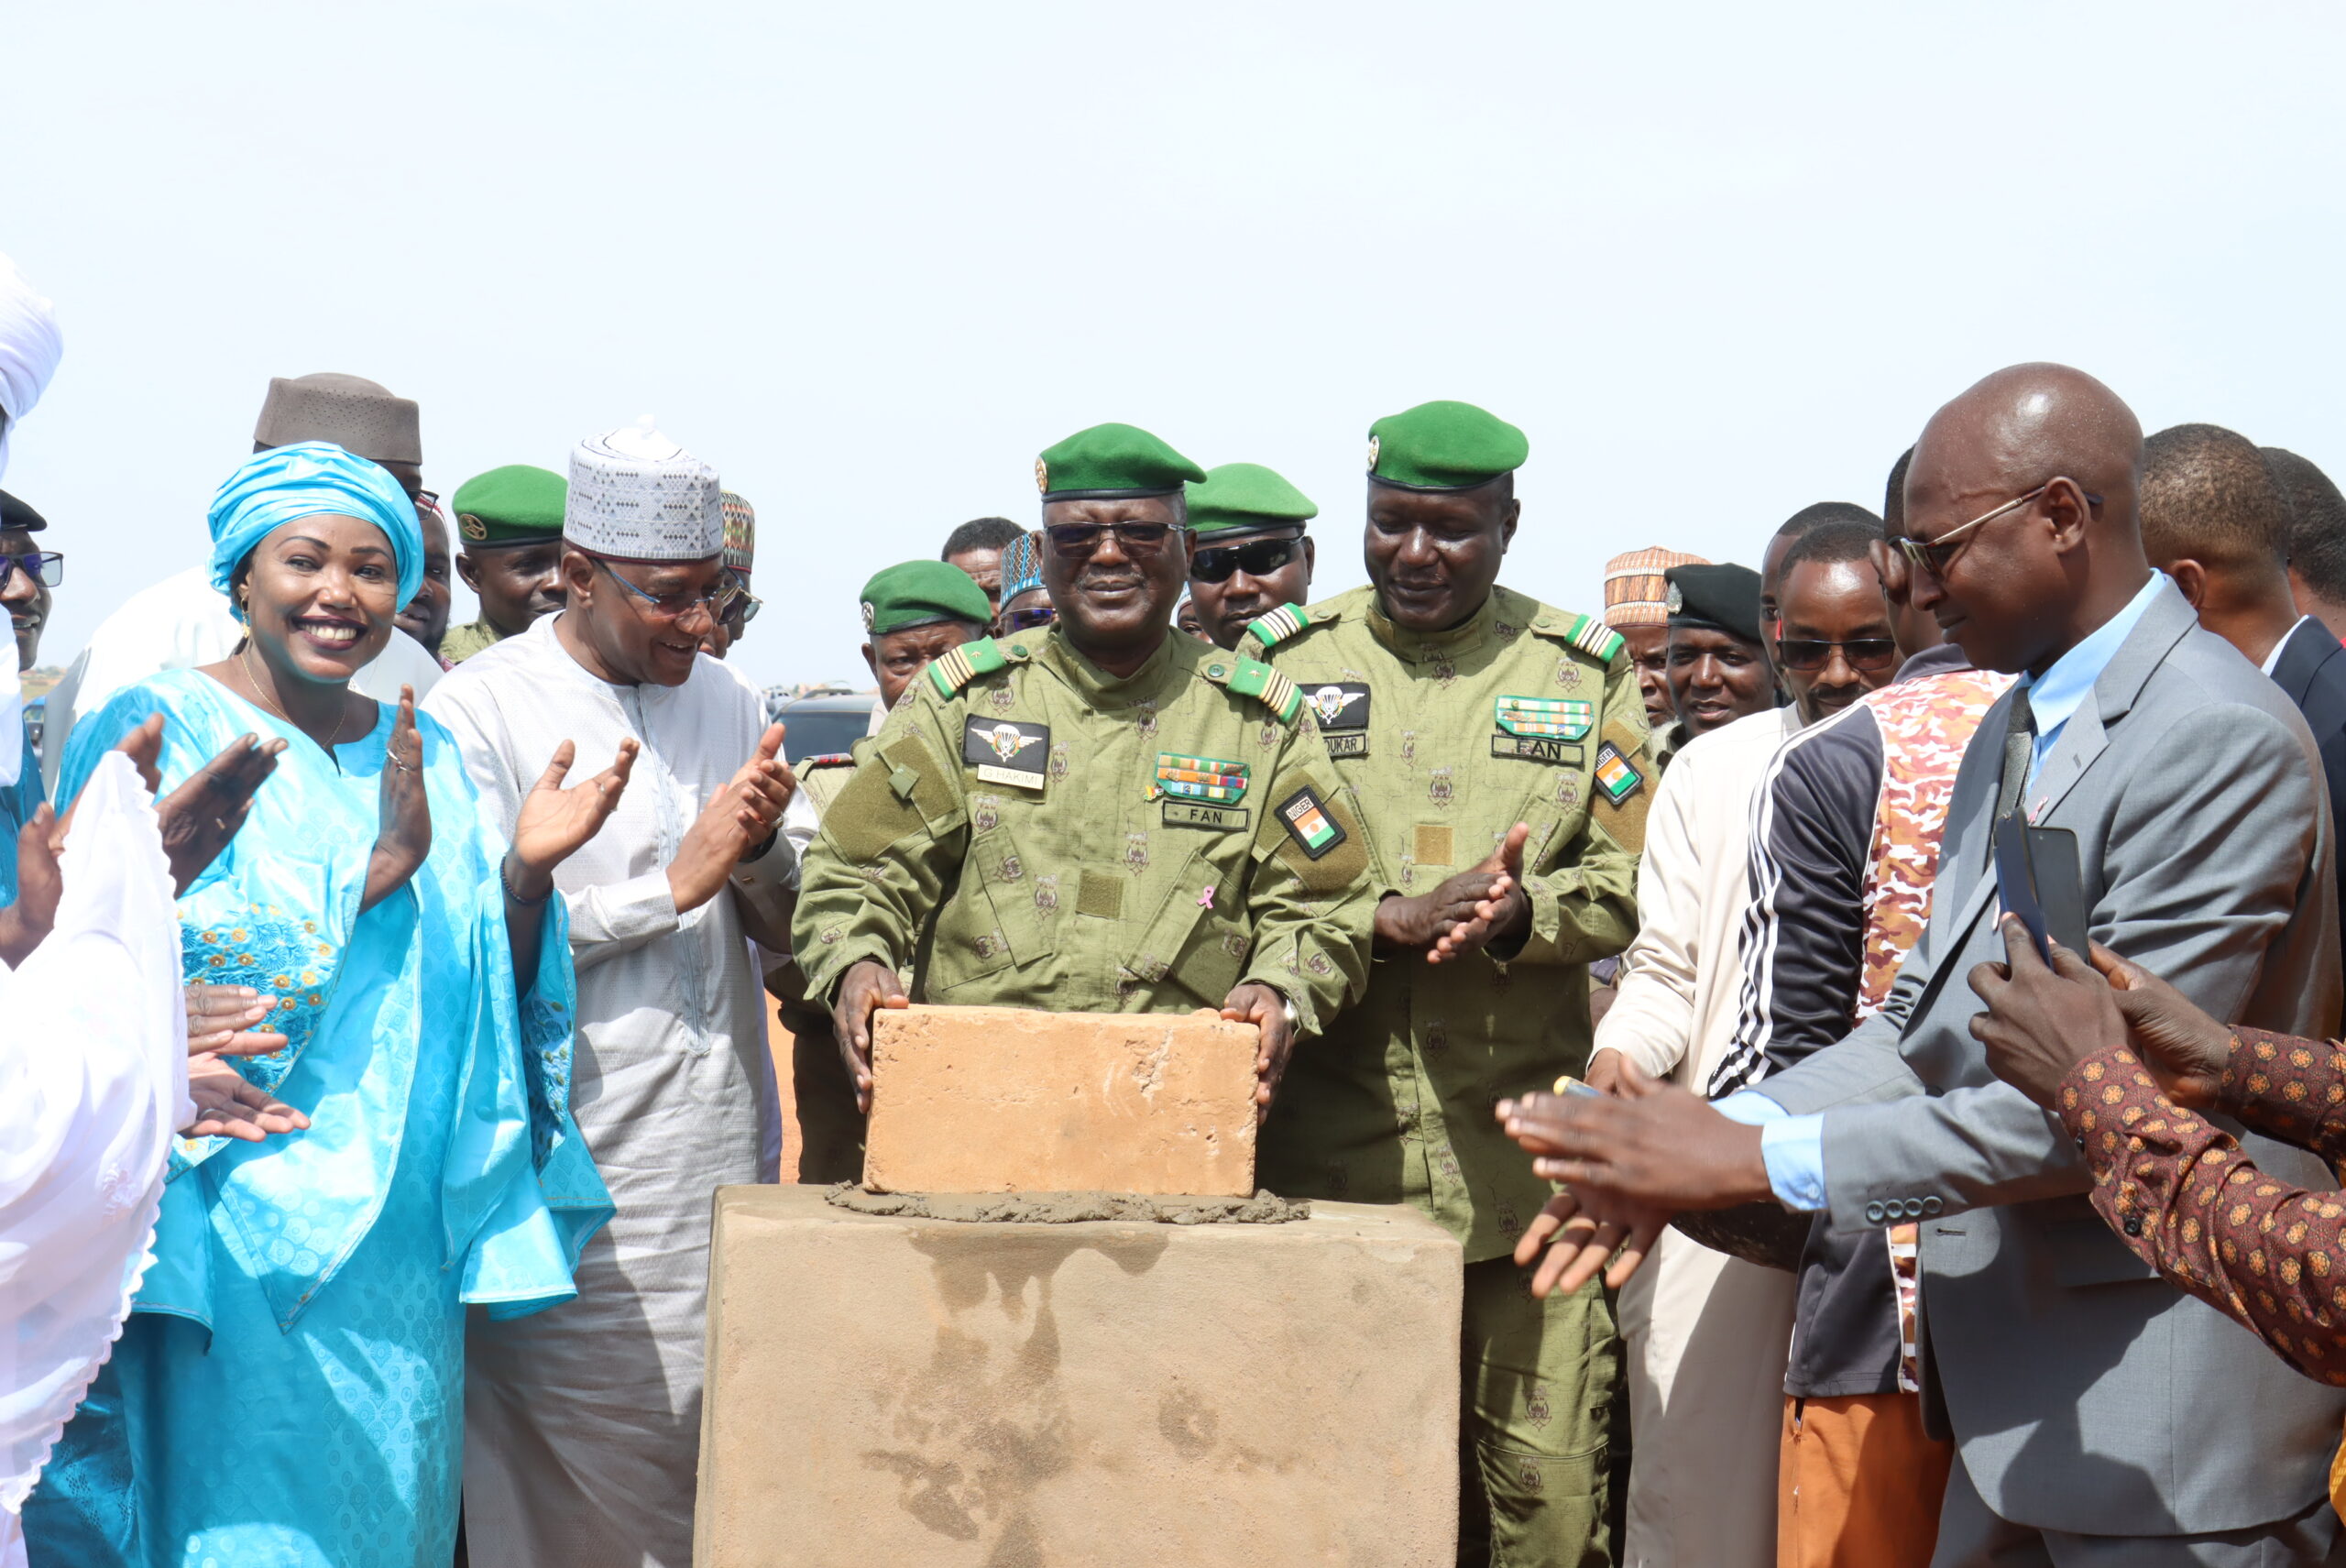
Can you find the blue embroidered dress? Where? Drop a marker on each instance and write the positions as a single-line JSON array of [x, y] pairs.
[[18, 801], [290, 1392]]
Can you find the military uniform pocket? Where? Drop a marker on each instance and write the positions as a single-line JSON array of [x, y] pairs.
[[1188, 939], [1025, 905], [996, 918]]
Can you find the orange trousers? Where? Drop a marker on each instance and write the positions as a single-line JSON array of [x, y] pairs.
[[1859, 1483]]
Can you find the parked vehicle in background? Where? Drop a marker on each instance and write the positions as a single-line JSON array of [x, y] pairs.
[[821, 718]]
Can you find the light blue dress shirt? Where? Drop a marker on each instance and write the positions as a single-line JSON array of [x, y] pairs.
[[1792, 1145]]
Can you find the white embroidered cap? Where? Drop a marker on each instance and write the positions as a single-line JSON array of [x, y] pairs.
[[637, 495]]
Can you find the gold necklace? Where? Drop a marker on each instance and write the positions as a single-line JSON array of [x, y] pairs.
[[244, 658]]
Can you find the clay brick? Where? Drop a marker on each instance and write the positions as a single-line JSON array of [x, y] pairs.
[[888, 1391], [1002, 1100]]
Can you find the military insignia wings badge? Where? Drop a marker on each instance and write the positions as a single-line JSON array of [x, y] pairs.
[[1341, 708], [1007, 751]]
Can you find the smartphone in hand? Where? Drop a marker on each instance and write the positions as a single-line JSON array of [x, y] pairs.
[[2037, 879]]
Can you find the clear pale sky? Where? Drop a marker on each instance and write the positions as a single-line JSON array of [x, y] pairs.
[[1719, 260]]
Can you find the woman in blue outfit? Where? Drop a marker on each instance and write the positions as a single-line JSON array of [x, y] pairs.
[[289, 1390]]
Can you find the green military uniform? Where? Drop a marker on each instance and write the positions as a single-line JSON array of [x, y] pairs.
[[898, 599], [462, 642], [517, 504], [1085, 843], [1089, 844], [831, 1129], [1445, 742], [1668, 744]]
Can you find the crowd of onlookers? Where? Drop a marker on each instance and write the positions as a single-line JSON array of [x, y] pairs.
[[1812, 1211]]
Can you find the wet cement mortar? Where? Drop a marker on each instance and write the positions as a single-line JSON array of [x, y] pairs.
[[1069, 1208]]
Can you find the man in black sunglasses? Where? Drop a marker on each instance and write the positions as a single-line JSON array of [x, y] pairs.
[[1248, 552], [1833, 633], [27, 574], [1497, 750], [1097, 814]]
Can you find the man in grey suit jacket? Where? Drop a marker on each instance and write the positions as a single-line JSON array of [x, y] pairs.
[[2101, 1416]]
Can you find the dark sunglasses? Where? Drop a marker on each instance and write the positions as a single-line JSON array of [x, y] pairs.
[[1030, 618], [1935, 556], [1256, 558], [1804, 654], [46, 567], [1079, 541]]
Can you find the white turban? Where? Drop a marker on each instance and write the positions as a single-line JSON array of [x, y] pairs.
[[637, 495], [30, 349]]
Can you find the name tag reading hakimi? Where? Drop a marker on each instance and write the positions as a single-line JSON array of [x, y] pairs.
[[1005, 752]]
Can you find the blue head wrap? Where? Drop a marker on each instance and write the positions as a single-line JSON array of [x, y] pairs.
[[1022, 565], [286, 484]]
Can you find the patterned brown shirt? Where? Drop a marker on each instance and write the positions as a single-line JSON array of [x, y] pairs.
[[2178, 1191]]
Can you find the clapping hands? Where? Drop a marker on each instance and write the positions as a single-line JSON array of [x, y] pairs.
[[738, 821], [1466, 911]]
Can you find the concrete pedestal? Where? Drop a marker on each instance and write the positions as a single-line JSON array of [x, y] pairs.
[[888, 1391]]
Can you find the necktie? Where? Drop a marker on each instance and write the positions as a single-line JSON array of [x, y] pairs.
[[2019, 747]]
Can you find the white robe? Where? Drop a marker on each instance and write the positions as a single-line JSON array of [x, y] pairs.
[[178, 624], [1706, 1335], [92, 1081], [582, 1424]]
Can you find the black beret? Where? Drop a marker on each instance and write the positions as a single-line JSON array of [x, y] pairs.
[[15, 513], [1724, 598]]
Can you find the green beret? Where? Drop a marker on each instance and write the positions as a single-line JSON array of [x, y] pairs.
[[1111, 460], [1244, 496], [513, 505], [921, 592], [1443, 446], [1722, 598]]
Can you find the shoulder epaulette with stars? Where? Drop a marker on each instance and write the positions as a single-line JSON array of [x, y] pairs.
[[827, 759], [1249, 678], [957, 667], [1277, 627], [1585, 632]]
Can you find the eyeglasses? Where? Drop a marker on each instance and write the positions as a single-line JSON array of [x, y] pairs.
[[44, 566], [675, 605], [1256, 558], [1804, 653], [1081, 540], [1935, 556], [741, 605], [1027, 619]]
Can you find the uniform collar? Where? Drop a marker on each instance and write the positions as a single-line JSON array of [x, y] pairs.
[[1094, 684], [1425, 647]]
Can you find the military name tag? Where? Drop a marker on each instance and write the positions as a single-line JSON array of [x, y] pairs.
[[1615, 775], [1537, 749], [1005, 752], [1191, 814], [1342, 709], [1309, 824], [1208, 779]]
